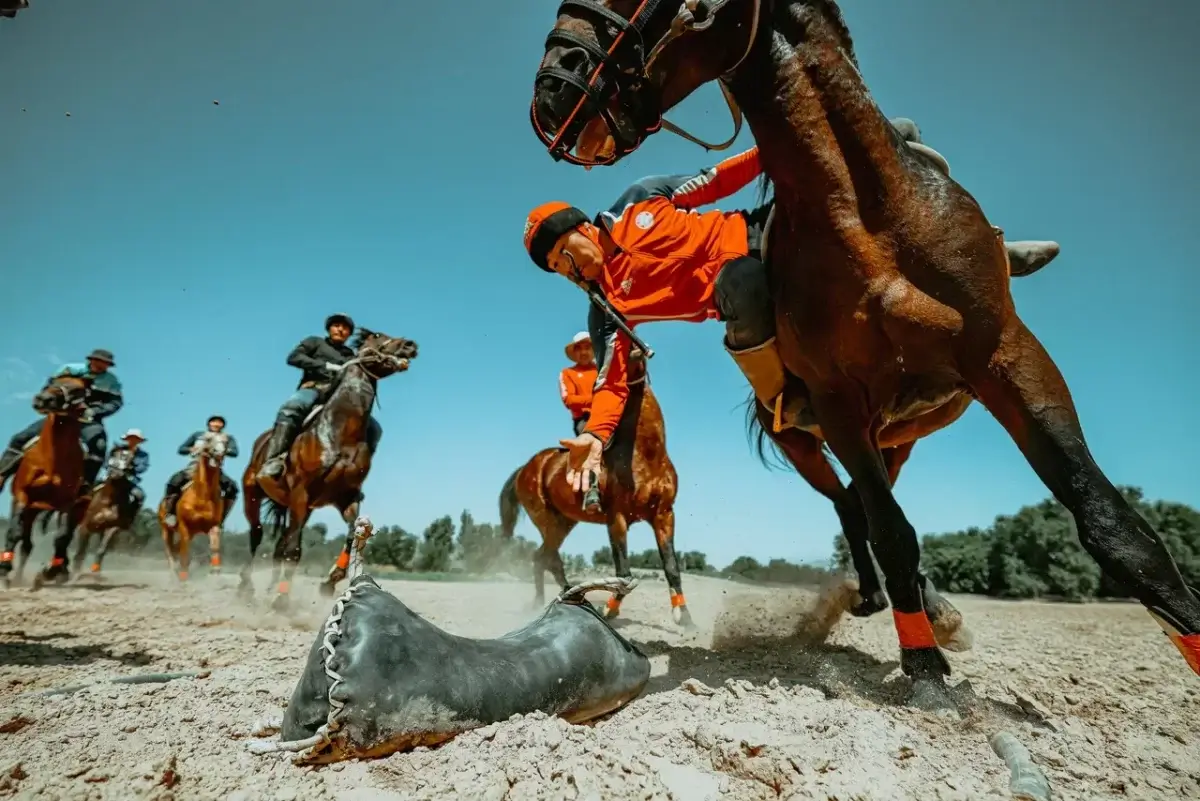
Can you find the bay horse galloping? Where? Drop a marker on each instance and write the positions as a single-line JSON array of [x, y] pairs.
[[201, 508], [638, 484], [326, 465], [49, 479], [891, 288], [110, 509]]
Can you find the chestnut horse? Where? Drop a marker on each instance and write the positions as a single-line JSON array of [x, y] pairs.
[[201, 509], [638, 484], [110, 509], [327, 464], [49, 479], [891, 287]]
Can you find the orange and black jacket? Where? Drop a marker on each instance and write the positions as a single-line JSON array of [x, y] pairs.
[[669, 256], [575, 386]]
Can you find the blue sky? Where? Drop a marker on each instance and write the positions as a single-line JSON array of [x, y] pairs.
[[377, 158]]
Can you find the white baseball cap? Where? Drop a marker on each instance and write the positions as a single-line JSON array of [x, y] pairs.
[[135, 432]]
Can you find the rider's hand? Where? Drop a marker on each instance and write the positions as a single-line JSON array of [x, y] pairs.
[[592, 449], [333, 368], [87, 416]]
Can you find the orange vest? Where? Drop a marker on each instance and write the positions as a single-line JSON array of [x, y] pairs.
[[575, 386]]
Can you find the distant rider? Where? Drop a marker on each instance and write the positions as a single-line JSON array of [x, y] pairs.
[[176, 483], [104, 399]]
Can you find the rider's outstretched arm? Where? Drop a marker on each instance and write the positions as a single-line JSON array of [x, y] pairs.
[[231, 450], [691, 191], [186, 448]]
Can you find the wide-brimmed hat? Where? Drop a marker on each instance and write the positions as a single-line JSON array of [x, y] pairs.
[[102, 355], [134, 433], [576, 343]]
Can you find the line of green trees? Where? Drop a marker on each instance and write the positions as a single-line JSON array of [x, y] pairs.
[[1033, 553]]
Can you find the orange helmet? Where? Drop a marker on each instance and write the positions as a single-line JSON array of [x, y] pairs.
[[545, 225]]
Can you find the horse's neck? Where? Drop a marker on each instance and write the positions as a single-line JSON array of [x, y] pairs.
[[641, 420], [60, 428], [206, 472], [821, 138], [353, 396]]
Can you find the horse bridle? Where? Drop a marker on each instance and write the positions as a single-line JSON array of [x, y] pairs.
[[612, 75], [398, 362], [66, 392]]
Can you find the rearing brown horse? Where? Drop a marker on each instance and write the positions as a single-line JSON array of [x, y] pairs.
[[891, 287], [327, 463], [638, 484], [49, 479]]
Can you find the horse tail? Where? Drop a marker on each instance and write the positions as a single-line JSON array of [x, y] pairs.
[[510, 506], [275, 516], [759, 440]]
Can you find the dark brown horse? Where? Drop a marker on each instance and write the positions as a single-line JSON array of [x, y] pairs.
[[638, 484], [201, 509], [327, 464], [891, 286], [110, 510], [49, 479]]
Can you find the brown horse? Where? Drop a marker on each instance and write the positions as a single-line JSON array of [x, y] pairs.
[[49, 479], [327, 464], [201, 509], [638, 484], [110, 510], [891, 287]]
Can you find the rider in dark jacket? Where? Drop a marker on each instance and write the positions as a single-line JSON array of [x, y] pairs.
[[320, 359], [176, 483]]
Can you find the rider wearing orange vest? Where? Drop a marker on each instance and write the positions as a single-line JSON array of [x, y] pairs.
[[575, 383], [654, 257]]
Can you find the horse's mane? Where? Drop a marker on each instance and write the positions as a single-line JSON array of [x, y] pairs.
[[833, 13], [360, 337]]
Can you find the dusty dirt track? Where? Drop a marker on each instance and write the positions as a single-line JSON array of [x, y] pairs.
[[1106, 705]]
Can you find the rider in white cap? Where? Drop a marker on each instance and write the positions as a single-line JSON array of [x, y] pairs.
[[132, 441], [575, 383]]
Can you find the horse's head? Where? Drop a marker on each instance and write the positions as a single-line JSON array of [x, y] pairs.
[[612, 68], [211, 447], [382, 355], [120, 462], [62, 395]]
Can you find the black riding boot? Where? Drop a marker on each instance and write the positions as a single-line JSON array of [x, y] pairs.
[[281, 439]]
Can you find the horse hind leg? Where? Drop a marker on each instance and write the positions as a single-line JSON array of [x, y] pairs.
[[58, 571], [252, 506], [845, 423], [289, 550], [105, 541], [184, 548], [214, 549], [1023, 389]]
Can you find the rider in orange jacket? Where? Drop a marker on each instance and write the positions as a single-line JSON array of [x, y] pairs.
[[575, 383], [654, 257]]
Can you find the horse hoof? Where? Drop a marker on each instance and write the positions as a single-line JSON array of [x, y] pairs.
[[38, 583], [281, 603], [683, 618], [326, 588], [870, 605], [932, 695]]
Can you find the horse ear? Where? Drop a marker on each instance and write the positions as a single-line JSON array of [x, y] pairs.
[[363, 335]]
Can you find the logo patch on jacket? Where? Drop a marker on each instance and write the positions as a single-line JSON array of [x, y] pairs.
[[644, 220], [627, 285]]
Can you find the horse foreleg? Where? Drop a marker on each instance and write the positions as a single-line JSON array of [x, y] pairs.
[[618, 543], [168, 535], [81, 547], [342, 565], [14, 537], [185, 545], [1024, 390], [664, 535], [214, 549], [288, 552], [58, 570], [252, 506], [105, 540], [845, 422]]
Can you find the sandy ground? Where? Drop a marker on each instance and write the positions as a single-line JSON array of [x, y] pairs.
[[1104, 703]]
